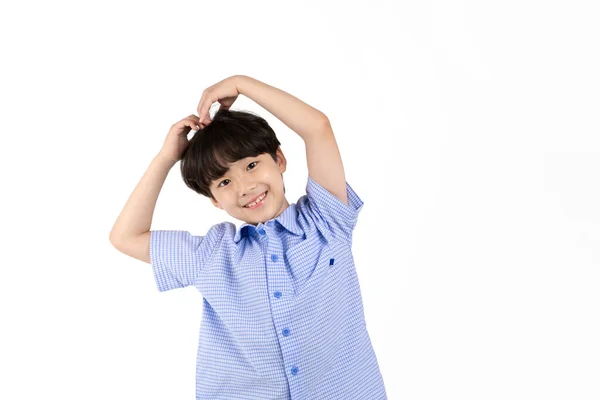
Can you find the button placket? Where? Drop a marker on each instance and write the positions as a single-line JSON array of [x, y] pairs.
[[274, 271], [274, 257]]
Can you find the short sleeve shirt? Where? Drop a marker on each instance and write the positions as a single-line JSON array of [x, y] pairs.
[[282, 310]]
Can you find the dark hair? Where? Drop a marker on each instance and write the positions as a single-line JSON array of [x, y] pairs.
[[231, 136]]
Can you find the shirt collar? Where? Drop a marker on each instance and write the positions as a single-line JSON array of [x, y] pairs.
[[288, 219]]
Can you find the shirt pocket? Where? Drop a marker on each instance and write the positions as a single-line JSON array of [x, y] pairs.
[[307, 261], [316, 270]]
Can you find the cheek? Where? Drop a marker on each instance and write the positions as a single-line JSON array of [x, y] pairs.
[[272, 176], [230, 201], [264, 175]]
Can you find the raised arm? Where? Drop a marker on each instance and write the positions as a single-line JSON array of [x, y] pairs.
[[322, 154], [131, 232]]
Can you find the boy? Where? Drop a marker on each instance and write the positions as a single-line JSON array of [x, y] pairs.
[[283, 315]]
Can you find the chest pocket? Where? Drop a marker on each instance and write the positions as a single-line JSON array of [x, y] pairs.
[[309, 262]]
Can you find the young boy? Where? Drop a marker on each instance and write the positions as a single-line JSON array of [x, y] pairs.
[[283, 315]]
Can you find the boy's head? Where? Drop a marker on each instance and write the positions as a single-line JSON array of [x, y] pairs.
[[232, 161]]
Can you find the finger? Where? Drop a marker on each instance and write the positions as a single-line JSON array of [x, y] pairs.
[[199, 107], [204, 107], [189, 121], [207, 118], [187, 124], [193, 122]]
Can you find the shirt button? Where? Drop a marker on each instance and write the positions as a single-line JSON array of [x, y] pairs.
[[277, 294], [294, 370], [262, 232], [286, 332], [274, 257]]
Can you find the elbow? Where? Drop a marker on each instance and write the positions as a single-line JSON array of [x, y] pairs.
[[113, 239], [325, 126]]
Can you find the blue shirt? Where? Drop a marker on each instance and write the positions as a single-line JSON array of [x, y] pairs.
[[283, 315]]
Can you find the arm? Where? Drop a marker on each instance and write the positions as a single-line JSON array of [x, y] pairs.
[[322, 153], [130, 233]]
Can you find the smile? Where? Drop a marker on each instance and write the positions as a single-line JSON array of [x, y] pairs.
[[258, 202]]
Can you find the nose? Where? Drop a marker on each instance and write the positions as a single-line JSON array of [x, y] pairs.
[[246, 187]]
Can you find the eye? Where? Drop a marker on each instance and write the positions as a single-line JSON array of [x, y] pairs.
[[225, 182]]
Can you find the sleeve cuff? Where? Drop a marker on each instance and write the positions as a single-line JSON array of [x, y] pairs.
[[163, 277], [348, 212]]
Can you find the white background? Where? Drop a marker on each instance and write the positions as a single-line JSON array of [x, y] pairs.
[[470, 129]]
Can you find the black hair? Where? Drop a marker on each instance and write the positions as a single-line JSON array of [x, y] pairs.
[[231, 136]]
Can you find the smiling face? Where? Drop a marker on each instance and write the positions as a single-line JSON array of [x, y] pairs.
[[252, 178]]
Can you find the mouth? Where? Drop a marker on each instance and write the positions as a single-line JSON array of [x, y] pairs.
[[258, 202]]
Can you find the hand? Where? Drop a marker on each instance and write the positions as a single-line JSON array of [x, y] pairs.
[[225, 92], [177, 141]]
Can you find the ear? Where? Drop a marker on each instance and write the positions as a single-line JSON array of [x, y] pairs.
[[216, 203], [281, 161]]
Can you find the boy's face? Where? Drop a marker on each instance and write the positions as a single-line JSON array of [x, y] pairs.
[[244, 181]]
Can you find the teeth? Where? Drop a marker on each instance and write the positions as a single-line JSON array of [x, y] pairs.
[[257, 200]]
